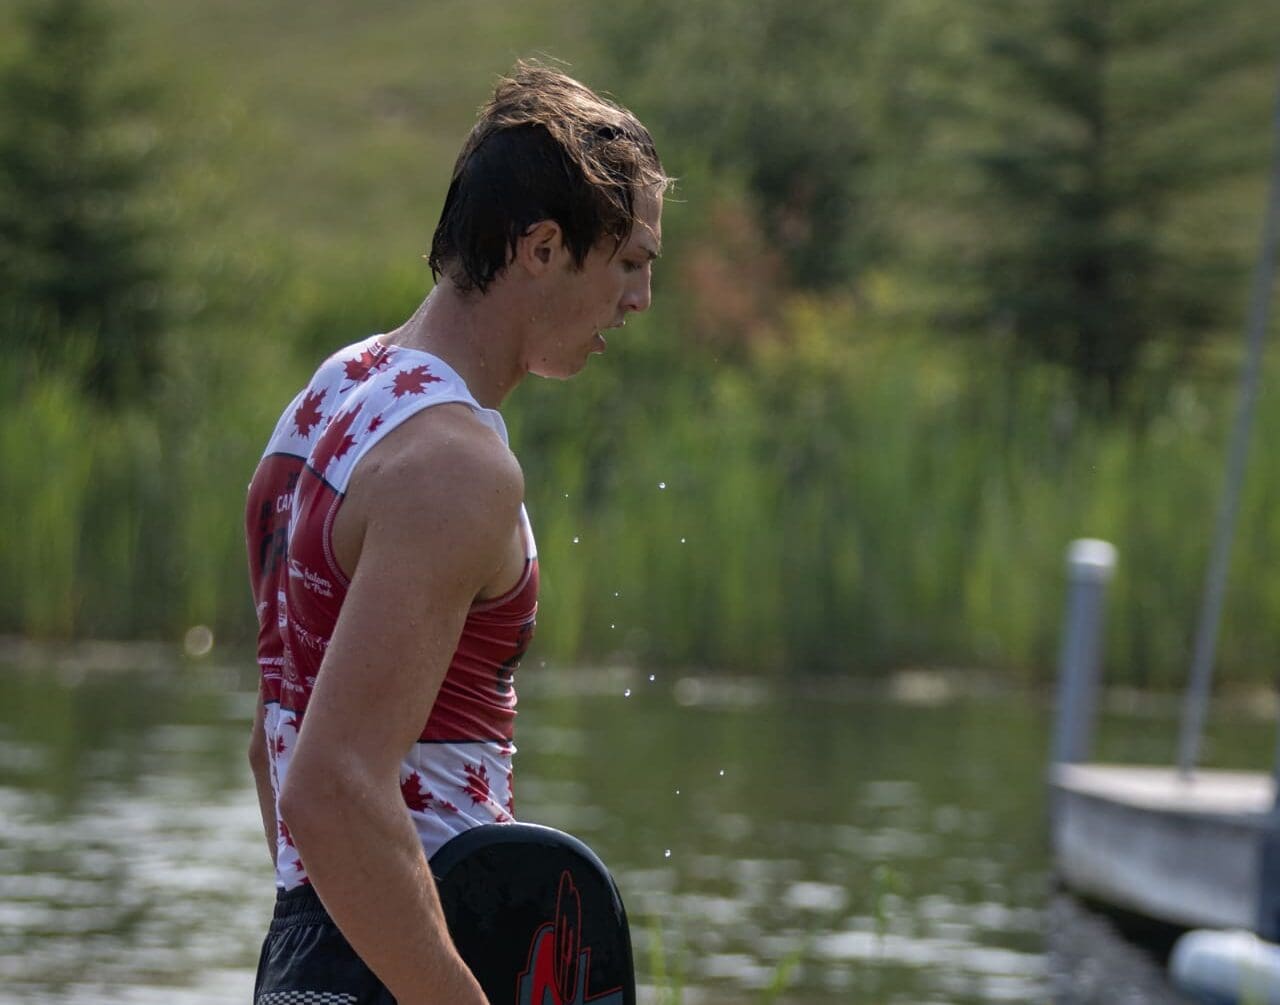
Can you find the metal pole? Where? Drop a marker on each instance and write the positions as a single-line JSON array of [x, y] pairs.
[[1197, 696], [1267, 920], [1090, 564]]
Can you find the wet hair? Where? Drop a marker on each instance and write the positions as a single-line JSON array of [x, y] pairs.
[[545, 147]]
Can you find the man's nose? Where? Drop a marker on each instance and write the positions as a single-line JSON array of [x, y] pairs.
[[639, 296]]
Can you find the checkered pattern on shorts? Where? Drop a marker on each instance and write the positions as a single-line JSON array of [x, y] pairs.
[[304, 998]]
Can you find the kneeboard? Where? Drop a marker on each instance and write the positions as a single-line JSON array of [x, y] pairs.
[[536, 916]]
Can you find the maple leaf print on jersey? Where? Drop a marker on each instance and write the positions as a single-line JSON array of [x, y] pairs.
[[335, 441], [413, 381], [284, 833], [364, 366], [308, 414], [375, 424], [477, 782], [420, 800], [414, 797]]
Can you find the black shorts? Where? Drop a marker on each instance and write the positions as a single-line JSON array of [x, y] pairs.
[[306, 961]]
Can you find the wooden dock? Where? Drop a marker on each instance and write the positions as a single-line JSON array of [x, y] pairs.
[[1187, 851]]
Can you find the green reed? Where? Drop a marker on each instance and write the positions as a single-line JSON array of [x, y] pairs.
[[853, 500], [846, 498]]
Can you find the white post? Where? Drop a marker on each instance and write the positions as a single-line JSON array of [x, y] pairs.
[[1090, 564]]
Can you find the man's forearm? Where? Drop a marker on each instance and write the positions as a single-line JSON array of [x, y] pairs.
[[365, 861]]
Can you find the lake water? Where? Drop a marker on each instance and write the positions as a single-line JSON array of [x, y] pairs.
[[826, 842]]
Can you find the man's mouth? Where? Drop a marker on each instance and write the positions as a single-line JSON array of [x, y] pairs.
[[598, 341]]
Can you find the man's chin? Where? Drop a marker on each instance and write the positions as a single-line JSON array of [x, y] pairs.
[[563, 368], [548, 372]]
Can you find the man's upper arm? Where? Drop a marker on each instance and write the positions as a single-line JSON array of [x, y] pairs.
[[437, 514]]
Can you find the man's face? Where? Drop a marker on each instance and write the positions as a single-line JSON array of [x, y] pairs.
[[584, 302]]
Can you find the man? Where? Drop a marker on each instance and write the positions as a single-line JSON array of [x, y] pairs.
[[392, 562]]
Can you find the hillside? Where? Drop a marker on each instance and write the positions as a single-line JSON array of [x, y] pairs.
[[329, 128]]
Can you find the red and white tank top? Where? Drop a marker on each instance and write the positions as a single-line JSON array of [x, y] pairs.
[[458, 774]]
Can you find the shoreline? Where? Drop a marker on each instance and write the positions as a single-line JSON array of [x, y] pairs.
[[925, 686]]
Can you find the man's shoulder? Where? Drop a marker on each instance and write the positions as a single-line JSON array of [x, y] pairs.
[[450, 447]]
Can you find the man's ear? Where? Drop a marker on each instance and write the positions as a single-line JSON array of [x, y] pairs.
[[539, 247]]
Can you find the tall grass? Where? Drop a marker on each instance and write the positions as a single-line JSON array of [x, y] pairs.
[[47, 464], [853, 500], [842, 498]]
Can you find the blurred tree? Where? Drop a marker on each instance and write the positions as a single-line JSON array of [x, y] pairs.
[[1103, 120], [79, 276], [768, 92]]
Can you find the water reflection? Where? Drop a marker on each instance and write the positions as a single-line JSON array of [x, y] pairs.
[[849, 848], [124, 831]]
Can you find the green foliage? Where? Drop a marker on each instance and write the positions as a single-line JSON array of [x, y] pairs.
[[1074, 176], [669, 986], [77, 274], [45, 519], [781, 977], [855, 499], [793, 464], [769, 92], [1101, 123]]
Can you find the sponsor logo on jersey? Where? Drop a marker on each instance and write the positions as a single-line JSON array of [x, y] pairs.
[[312, 580]]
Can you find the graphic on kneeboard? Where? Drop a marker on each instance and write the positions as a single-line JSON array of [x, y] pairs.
[[536, 916], [559, 965]]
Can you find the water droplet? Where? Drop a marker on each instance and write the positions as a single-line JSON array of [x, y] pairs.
[[627, 694], [662, 485], [667, 853], [677, 792], [613, 626], [575, 539], [682, 540], [722, 772], [615, 593], [198, 641], [652, 678]]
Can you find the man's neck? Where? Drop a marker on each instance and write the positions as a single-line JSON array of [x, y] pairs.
[[474, 334]]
